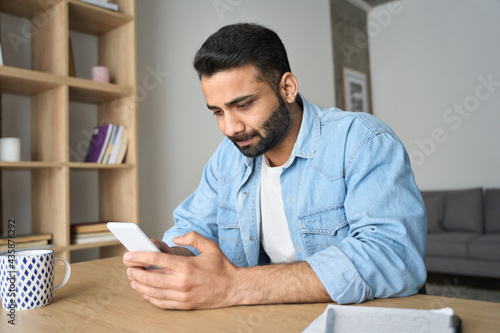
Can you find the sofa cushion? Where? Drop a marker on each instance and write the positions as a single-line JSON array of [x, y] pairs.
[[434, 208], [463, 209], [448, 244], [486, 247], [492, 210]]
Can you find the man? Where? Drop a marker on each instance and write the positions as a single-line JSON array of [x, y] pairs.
[[297, 204]]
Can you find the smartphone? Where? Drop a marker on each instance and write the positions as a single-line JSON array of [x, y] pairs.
[[132, 236]]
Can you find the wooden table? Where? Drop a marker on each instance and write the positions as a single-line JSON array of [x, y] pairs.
[[98, 298]]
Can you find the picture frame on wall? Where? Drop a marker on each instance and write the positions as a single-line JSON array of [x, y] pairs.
[[355, 90]]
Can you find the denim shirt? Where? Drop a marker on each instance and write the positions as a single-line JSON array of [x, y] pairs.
[[353, 209]]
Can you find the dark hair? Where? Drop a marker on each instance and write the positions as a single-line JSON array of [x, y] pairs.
[[240, 44]]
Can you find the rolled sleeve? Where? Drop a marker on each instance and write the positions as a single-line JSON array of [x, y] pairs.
[[342, 282]]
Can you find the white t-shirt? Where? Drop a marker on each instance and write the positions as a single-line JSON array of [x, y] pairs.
[[274, 232]]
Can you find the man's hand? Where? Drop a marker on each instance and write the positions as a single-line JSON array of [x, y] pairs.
[[210, 280], [201, 282]]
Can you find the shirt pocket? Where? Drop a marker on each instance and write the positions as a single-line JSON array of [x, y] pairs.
[[230, 241], [324, 227]]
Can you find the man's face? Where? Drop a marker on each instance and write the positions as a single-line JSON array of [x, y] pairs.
[[247, 110]]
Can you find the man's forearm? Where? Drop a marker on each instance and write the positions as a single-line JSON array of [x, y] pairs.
[[279, 283]]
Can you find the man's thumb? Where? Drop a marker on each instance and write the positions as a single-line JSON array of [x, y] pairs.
[[197, 241]]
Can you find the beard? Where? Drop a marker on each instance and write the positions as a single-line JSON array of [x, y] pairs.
[[273, 129]]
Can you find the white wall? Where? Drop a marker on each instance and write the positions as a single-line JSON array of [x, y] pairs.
[[428, 59], [177, 133]]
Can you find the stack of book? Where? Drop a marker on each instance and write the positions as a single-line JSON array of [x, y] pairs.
[[25, 242], [103, 4], [108, 144], [84, 233]]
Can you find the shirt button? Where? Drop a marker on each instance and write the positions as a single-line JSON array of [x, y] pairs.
[[250, 238], [244, 194]]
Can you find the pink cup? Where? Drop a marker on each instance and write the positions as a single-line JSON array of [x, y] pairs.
[[100, 74]]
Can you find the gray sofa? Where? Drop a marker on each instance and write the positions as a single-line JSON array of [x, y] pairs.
[[463, 232]]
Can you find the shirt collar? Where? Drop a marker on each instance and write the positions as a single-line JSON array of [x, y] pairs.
[[308, 137], [309, 132]]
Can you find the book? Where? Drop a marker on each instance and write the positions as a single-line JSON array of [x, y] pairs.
[[368, 319], [112, 144], [98, 143], [26, 245], [116, 145], [102, 4], [90, 234], [122, 150], [23, 238], [94, 239], [105, 144], [88, 227], [91, 237], [109, 146]]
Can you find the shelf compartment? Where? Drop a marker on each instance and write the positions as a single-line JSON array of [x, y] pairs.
[[87, 91], [19, 81], [94, 20]]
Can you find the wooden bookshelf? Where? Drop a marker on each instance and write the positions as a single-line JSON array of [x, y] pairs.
[[51, 89]]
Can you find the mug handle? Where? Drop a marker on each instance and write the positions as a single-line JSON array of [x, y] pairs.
[[66, 274]]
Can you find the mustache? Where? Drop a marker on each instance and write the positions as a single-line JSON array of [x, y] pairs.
[[243, 136]]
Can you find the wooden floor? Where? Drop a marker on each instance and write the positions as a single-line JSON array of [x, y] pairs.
[[467, 287]]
